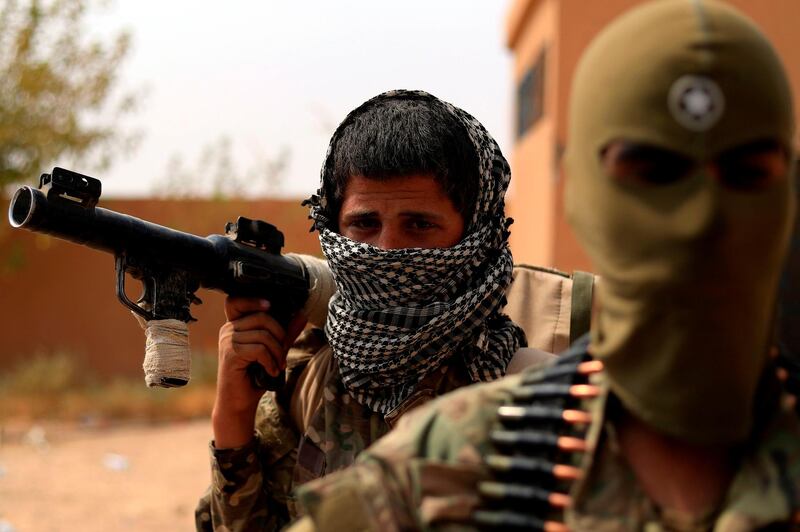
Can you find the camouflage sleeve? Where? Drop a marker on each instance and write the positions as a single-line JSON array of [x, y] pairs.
[[250, 486], [422, 475], [236, 495]]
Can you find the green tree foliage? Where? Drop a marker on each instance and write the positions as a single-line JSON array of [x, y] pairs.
[[58, 94]]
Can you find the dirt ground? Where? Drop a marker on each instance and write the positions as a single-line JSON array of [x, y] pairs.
[[134, 477]]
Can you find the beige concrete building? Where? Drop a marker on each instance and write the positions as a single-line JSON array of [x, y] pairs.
[[547, 37]]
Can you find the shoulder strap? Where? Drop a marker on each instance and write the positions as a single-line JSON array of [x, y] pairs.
[[542, 269], [581, 311]]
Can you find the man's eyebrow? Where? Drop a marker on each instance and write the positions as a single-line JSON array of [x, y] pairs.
[[355, 215], [421, 214], [360, 214]]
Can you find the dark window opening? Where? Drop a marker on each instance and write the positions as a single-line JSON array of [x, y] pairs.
[[530, 96]]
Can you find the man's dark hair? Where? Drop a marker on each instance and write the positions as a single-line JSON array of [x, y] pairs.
[[397, 138]]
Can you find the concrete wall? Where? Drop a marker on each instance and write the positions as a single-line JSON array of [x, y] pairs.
[[531, 200]]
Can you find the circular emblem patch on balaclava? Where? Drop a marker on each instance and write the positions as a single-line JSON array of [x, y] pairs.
[[696, 102]]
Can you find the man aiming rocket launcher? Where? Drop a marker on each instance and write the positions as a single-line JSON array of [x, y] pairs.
[[171, 265]]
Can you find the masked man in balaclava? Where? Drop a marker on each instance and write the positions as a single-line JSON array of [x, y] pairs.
[[411, 219], [669, 415]]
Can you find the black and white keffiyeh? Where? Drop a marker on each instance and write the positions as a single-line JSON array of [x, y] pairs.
[[400, 314]]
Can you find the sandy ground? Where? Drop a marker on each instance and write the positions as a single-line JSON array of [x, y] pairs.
[[58, 478]]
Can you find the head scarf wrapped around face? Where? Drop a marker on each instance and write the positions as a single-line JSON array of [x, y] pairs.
[[400, 314], [690, 267]]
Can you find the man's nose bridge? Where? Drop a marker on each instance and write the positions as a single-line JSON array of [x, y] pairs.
[[702, 211], [390, 238]]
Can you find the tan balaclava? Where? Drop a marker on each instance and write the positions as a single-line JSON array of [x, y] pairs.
[[690, 268]]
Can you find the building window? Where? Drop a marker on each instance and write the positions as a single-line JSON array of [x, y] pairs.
[[530, 96]]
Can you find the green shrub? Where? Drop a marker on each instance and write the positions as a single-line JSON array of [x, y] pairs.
[[204, 368], [47, 373], [59, 386]]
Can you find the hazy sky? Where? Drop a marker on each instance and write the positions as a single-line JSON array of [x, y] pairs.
[[275, 75]]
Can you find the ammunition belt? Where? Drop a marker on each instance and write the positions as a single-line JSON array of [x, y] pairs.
[[539, 441]]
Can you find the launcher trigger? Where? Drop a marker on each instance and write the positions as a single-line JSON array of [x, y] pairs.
[[121, 265]]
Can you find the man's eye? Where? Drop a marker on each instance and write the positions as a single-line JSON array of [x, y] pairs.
[[754, 166], [650, 173], [364, 223], [745, 177], [421, 225], [643, 164]]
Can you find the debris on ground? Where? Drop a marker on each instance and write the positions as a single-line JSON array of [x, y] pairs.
[[116, 462], [37, 437]]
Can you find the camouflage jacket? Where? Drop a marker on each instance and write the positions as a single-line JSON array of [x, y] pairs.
[[311, 428], [424, 475]]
